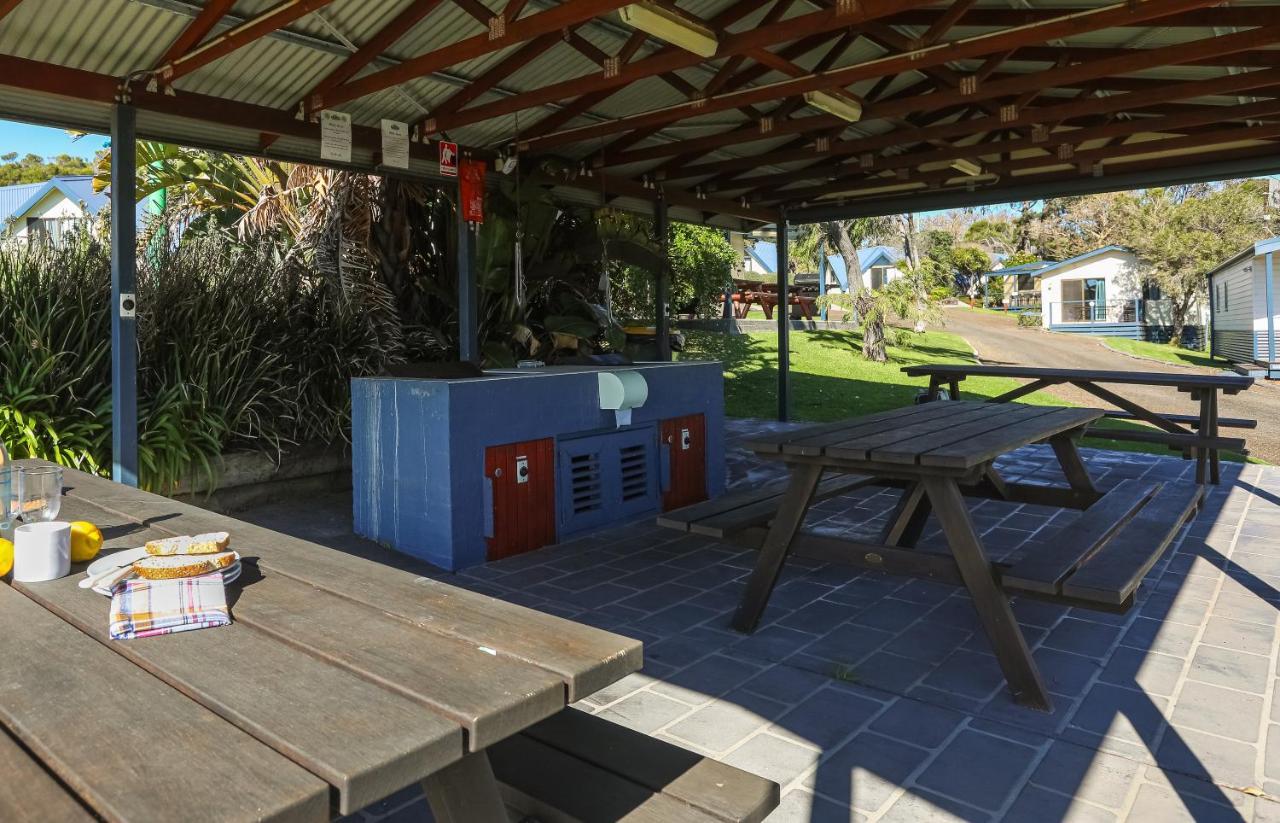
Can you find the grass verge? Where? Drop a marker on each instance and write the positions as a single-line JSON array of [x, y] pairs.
[[830, 380], [1164, 353]]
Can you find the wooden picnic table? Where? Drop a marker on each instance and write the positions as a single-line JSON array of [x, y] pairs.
[[339, 682], [1175, 430], [938, 453]]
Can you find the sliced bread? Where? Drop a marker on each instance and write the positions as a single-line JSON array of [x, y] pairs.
[[171, 567], [211, 543]]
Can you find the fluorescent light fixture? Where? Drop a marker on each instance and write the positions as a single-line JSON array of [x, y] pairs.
[[844, 106], [966, 167], [667, 23]]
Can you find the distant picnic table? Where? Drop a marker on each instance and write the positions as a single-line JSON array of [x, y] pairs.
[[339, 682], [939, 453], [1175, 430]]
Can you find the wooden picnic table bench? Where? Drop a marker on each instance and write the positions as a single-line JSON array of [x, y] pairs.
[[339, 682], [1173, 430], [939, 453]]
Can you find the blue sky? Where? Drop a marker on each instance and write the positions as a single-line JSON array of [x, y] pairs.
[[25, 139]]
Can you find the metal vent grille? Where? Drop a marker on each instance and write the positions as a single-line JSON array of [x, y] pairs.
[[585, 483], [634, 462]]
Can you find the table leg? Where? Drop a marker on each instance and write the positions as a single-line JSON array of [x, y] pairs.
[[1206, 423], [1068, 454], [1215, 456], [466, 791], [989, 600], [777, 544], [906, 524]]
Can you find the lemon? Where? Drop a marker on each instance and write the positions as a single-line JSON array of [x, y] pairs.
[[86, 541], [6, 556]]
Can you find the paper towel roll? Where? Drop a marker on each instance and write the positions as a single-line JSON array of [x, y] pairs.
[[622, 389]]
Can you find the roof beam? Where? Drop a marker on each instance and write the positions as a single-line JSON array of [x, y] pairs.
[[558, 17], [945, 21], [515, 61], [1067, 25], [197, 29], [386, 37], [1030, 166], [1009, 85], [1133, 101], [989, 16], [254, 28], [1172, 124], [672, 59]]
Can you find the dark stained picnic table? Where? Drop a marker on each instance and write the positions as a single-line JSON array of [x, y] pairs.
[[939, 453], [340, 681], [1173, 429]]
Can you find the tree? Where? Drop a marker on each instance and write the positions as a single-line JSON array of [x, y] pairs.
[[1181, 233], [35, 169], [967, 262]]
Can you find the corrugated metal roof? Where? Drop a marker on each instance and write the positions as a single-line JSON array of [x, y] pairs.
[[117, 37], [11, 197]]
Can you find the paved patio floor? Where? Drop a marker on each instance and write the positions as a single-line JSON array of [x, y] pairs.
[[870, 697]]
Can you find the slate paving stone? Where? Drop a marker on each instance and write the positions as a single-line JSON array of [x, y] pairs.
[[1113, 711], [891, 672], [847, 644], [705, 679], [718, 726], [1271, 762], [949, 699], [827, 717], [928, 643], [1209, 758], [1238, 635], [978, 769], [867, 770], [1082, 637], [1034, 805], [1158, 803], [773, 758], [770, 644], [889, 614], [918, 805], [1148, 671], [967, 674], [645, 711], [785, 683], [1245, 607], [802, 807], [1220, 711], [1233, 668], [818, 617], [918, 723], [1080, 772], [1064, 672], [1167, 638]]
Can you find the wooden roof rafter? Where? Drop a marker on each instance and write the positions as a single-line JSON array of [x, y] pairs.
[[980, 46]]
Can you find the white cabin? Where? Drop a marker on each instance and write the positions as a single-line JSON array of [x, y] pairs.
[[1243, 322]]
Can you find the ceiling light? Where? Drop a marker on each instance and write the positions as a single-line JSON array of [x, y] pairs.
[[966, 167], [844, 106], [669, 24]]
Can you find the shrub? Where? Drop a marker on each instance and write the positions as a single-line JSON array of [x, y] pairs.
[[1030, 319], [235, 351]]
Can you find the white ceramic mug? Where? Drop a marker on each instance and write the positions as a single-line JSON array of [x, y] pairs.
[[41, 551]]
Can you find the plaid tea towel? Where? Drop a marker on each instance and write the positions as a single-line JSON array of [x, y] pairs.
[[146, 608]]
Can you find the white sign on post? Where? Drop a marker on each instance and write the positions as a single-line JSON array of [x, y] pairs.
[[1273, 193], [395, 144], [335, 136]]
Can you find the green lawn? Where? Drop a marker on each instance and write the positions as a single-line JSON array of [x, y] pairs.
[[1165, 353], [830, 380]]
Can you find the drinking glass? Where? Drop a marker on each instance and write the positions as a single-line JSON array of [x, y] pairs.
[[10, 502], [40, 491]]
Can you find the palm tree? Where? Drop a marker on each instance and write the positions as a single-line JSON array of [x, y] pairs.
[[843, 237]]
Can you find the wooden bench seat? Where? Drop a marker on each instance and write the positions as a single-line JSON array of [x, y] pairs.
[[1190, 419], [1102, 555], [1173, 441], [577, 767], [731, 513]]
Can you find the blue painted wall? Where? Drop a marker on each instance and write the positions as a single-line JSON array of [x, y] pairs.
[[418, 445]]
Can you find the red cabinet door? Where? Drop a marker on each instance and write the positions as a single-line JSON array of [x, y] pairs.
[[684, 446], [521, 480]]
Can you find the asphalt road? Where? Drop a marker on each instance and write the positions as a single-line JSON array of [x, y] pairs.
[[999, 341]]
